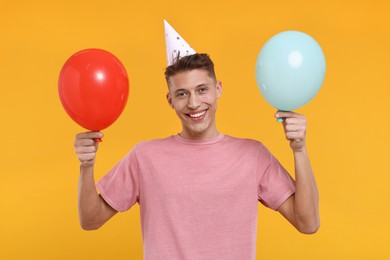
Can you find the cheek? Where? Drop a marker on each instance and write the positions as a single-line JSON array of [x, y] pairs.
[[179, 106], [178, 103], [210, 100]]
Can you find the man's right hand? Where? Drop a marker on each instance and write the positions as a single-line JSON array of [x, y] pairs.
[[86, 147], [93, 210]]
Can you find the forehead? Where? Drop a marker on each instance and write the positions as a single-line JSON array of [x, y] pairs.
[[190, 79]]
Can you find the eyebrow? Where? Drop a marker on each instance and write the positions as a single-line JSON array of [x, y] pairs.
[[178, 90], [204, 84]]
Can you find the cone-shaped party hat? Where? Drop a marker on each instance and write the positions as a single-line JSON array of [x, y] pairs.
[[177, 47]]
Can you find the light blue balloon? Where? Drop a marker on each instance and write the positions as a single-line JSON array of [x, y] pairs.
[[290, 70]]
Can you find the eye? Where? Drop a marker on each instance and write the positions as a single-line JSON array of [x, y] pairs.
[[181, 94], [203, 89]]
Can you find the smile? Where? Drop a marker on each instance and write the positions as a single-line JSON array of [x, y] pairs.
[[197, 116]]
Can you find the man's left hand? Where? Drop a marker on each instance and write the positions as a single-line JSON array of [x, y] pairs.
[[294, 125]]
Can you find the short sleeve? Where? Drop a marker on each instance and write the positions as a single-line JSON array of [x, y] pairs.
[[275, 185], [120, 186]]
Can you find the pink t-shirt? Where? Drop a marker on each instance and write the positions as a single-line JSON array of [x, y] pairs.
[[198, 199]]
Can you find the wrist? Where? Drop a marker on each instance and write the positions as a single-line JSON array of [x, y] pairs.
[[86, 168], [300, 151]]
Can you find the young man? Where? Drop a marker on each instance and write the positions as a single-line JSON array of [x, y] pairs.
[[198, 190]]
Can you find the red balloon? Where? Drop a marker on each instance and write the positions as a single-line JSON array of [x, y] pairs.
[[93, 87]]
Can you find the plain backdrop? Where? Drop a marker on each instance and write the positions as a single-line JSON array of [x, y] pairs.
[[348, 121]]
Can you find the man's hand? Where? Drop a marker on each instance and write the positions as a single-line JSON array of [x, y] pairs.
[[86, 147], [301, 209], [294, 128], [93, 210]]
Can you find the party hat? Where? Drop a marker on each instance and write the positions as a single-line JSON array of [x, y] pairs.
[[177, 47]]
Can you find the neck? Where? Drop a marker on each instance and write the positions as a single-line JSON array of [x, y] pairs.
[[212, 133]]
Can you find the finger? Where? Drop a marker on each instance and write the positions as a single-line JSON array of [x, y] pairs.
[[87, 157], [85, 149], [89, 135], [295, 121], [294, 128], [84, 142], [286, 114], [295, 136]]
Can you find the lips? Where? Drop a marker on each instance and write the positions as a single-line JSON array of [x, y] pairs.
[[196, 116]]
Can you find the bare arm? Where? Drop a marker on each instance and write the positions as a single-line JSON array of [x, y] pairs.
[[301, 209], [93, 210]]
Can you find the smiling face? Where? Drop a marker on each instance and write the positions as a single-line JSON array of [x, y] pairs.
[[193, 94]]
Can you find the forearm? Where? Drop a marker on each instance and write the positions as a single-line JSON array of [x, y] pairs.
[[306, 194], [90, 203]]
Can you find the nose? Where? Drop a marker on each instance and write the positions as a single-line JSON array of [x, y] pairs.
[[193, 102]]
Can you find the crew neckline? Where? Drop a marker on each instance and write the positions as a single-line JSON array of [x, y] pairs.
[[183, 140]]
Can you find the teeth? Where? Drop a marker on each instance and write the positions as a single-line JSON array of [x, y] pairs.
[[197, 114]]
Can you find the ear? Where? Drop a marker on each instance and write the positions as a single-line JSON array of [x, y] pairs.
[[218, 87], [169, 99]]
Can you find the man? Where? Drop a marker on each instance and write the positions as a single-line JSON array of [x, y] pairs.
[[198, 191]]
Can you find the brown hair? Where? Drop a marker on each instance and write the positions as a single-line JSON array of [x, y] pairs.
[[190, 62]]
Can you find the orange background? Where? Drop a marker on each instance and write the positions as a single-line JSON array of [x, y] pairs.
[[347, 131]]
